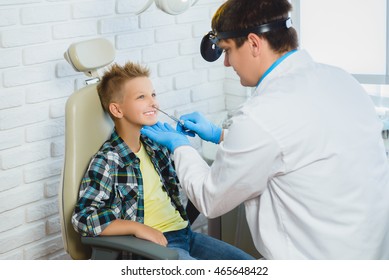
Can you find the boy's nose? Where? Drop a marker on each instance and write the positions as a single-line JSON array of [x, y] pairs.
[[152, 100]]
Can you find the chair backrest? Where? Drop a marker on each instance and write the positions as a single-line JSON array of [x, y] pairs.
[[87, 126]]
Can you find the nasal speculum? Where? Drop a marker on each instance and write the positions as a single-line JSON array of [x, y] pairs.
[[180, 122]]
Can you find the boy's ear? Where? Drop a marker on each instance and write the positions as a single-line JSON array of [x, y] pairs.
[[115, 110]]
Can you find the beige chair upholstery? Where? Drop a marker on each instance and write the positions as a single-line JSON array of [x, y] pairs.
[[87, 127]]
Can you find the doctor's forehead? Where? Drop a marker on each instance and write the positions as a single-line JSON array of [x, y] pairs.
[[225, 43]]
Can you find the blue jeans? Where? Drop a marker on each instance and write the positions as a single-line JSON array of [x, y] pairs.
[[197, 246]]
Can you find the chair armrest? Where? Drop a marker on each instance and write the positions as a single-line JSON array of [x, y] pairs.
[[131, 244]]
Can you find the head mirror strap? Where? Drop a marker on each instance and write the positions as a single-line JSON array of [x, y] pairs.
[[257, 29]]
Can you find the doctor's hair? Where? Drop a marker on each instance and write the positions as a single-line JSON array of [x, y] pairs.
[[234, 15], [111, 84]]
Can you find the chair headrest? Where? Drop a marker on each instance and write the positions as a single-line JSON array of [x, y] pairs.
[[91, 55]]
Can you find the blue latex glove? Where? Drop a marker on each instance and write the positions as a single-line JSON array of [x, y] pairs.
[[197, 123], [165, 135]]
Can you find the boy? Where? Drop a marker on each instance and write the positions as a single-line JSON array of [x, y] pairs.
[[130, 186]]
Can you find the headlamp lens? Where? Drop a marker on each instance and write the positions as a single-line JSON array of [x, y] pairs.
[[209, 49]]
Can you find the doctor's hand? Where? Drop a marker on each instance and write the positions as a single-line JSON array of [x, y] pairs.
[[196, 122], [165, 135]]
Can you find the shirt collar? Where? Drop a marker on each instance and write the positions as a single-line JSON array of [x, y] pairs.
[[274, 65], [125, 153]]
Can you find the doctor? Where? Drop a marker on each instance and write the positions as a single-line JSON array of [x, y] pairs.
[[304, 154]]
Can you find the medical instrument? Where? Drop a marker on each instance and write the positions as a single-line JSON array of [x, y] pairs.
[[209, 49], [180, 122], [202, 127]]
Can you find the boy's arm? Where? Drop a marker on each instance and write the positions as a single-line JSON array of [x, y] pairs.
[[96, 213], [98, 203], [127, 227]]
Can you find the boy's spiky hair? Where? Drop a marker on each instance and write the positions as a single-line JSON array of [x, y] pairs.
[[111, 84]]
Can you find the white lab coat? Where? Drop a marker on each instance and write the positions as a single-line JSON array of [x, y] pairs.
[[306, 156]]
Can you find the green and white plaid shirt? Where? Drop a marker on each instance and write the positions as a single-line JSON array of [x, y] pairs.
[[112, 186]]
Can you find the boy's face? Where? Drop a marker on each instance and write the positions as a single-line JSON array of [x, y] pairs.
[[136, 107]]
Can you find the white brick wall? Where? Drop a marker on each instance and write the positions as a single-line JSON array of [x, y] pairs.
[[35, 82]]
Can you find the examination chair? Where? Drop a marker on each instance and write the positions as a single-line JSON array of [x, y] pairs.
[[87, 126]]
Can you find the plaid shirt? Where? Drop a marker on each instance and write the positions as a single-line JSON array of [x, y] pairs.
[[112, 187]]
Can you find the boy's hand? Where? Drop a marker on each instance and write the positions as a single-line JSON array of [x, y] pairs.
[[127, 227], [150, 234], [165, 135]]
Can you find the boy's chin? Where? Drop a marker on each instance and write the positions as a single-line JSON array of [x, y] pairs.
[[150, 123]]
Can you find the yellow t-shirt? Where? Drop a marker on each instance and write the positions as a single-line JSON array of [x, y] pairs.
[[159, 211]]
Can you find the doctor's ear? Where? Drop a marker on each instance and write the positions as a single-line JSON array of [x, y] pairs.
[[255, 43], [115, 110]]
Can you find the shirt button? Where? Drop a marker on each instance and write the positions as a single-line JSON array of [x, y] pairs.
[[136, 160]]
